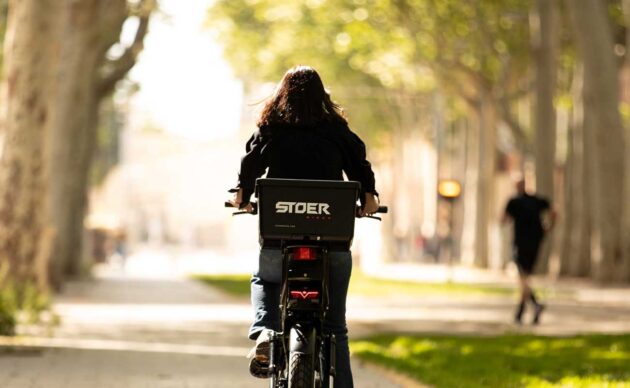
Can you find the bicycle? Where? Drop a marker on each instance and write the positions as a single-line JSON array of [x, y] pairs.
[[306, 219]]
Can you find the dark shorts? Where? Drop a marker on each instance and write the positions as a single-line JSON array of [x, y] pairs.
[[526, 255]]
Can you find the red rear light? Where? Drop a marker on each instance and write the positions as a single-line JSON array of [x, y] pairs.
[[304, 253], [305, 294]]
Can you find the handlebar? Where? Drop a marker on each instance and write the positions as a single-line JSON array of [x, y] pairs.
[[381, 209], [254, 205]]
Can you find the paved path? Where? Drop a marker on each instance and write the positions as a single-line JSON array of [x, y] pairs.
[[574, 306], [119, 331], [157, 330], [484, 316]]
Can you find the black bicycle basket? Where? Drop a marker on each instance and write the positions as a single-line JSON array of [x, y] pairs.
[[291, 209]]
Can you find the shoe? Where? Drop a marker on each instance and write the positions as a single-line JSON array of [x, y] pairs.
[[518, 317], [259, 355], [537, 313]]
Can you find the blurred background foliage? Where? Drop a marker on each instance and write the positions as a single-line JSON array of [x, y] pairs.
[[371, 51], [494, 86]]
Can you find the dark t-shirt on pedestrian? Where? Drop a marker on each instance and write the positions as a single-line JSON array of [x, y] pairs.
[[526, 210]]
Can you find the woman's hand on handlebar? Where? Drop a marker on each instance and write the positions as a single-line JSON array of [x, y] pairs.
[[238, 200], [371, 205]]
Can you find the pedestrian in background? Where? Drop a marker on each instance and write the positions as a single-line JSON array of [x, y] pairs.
[[527, 211]]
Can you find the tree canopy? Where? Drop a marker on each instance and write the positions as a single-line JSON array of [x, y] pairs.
[[372, 49]]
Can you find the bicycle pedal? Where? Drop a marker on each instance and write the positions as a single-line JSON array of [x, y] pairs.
[[257, 369]]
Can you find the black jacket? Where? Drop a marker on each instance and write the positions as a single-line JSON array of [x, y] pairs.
[[295, 152]]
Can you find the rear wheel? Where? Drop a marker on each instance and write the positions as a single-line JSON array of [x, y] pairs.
[[301, 371], [302, 357]]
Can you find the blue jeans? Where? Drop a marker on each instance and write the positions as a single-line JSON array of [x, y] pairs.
[[266, 287]]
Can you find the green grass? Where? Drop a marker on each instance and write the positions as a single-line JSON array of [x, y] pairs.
[[504, 361], [236, 285], [23, 303], [360, 284]]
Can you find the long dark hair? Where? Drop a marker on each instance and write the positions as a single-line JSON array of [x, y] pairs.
[[300, 99]]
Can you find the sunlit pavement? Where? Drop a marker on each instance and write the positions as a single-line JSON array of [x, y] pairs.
[[573, 306], [135, 328], [146, 325]]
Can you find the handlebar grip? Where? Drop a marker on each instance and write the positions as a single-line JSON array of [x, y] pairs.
[[382, 209], [254, 206]]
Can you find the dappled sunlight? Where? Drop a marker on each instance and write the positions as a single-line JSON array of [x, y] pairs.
[[592, 380], [413, 347], [151, 347], [612, 354], [505, 360]]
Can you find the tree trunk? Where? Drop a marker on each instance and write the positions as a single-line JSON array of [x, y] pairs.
[[91, 28], [479, 188], [3, 27], [544, 36], [566, 258], [605, 138], [575, 257], [69, 138], [30, 77], [471, 190], [543, 42], [485, 195], [626, 92]]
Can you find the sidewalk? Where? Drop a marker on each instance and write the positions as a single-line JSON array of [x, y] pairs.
[[574, 305], [150, 327], [123, 331], [185, 262]]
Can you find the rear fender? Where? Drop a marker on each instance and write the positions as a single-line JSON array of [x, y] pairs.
[[302, 339]]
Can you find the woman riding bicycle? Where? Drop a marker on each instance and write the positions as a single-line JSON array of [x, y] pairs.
[[302, 134]]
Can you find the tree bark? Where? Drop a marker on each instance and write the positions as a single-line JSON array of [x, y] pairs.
[[479, 187], [626, 82], [544, 35], [471, 190], [91, 28], [3, 26], [485, 194], [575, 257], [544, 47], [29, 82], [605, 138], [80, 56], [487, 220]]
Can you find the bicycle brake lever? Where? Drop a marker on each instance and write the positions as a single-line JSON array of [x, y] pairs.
[[373, 217]]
